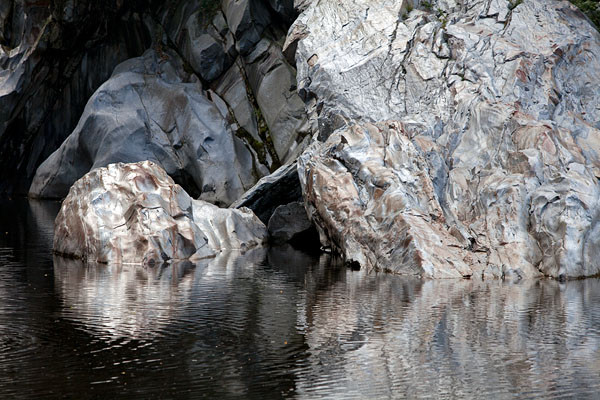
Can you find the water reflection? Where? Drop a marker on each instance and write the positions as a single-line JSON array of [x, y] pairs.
[[388, 337], [280, 323], [116, 301]]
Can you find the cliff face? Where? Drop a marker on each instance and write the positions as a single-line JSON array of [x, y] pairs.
[[489, 164], [56, 54], [439, 139]]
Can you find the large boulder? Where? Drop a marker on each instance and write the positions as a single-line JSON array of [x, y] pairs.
[[492, 166], [151, 109], [136, 214]]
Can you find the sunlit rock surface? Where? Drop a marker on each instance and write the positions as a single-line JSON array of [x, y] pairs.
[[492, 166], [136, 214], [368, 191]]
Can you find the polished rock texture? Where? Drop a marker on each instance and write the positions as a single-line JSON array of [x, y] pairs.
[[136, 214], [247, 19], [151, 110], [273, 82], [466, 135]]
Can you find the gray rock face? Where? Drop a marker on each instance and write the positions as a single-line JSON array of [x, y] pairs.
[[200, 33], [279, 188], [136, 214], [53, 56], [206, 51], [151, 110], [492, 165], [273, 82], [288, 222], [247, 19]]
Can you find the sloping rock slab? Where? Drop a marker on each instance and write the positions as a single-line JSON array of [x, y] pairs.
[[136, 214], [279, 188]]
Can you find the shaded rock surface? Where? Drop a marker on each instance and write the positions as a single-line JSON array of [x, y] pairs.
[[136, 214], [279, 188], [217, 121], [53, 56], [151, 110], [290, 224], [492, 165], [273, 82], [247, 19]]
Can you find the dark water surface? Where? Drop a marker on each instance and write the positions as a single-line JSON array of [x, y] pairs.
[[279, 324]]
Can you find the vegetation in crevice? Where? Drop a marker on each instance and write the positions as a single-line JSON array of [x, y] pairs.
[[263, 129], [514, 3]]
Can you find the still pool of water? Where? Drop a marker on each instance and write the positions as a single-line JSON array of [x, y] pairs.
[[279, 324]]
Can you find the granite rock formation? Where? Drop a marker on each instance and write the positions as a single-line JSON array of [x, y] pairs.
[[214, 117], [151, 110], [437, 139], [136, 214], [490, 163]]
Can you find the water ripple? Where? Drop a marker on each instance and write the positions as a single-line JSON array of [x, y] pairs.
[[280, 323]]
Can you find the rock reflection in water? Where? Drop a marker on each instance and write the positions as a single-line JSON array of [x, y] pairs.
[[280, 323], [133, 301], [382, 336]]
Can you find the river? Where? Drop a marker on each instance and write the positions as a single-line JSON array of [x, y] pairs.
[[279, 323]]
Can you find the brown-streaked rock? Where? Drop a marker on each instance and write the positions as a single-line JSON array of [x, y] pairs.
[[136, 214]]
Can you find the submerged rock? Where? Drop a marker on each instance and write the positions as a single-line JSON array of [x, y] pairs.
[[151, 110], [136, 214], [493, 165]]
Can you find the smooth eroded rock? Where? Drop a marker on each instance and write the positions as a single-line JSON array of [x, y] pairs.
[[151, 109], [53, 56], [136, 214]]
